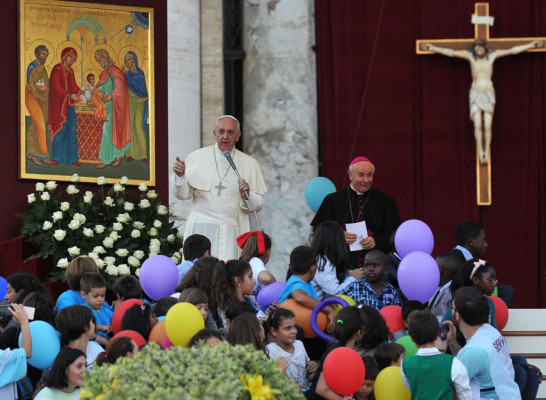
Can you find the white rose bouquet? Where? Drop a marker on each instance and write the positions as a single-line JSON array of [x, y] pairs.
[[119, 228]]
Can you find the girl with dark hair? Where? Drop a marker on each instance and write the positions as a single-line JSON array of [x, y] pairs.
[[333, 267], [209, 274], [246, 329], [349, 327], [282, 326], [256, 250], [139, 318], [117, 348], [241, 280], [377, 332], [65, 377]]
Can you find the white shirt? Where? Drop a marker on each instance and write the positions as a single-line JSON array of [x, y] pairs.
[[325, 281], [297, 368]]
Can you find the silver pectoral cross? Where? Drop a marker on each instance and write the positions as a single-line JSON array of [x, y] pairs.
[[219, 187]]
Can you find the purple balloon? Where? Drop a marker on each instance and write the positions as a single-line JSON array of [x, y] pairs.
[[158, 276], [418, 276], [269, 294], [326, 302], [413, 235]]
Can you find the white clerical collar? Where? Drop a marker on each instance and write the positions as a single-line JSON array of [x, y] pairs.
[[220, 154], [356, 191]]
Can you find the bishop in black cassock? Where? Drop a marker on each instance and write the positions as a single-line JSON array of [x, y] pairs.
[[359, 202]]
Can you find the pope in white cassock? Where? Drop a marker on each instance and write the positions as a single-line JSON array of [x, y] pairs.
[[220, 209]]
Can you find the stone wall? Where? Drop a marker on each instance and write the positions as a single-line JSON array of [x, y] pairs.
[[280, 109]]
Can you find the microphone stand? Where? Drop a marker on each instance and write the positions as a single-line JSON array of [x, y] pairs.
[[248, 197]]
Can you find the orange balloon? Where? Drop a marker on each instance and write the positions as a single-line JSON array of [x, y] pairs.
[[303, 317], [158, 333]]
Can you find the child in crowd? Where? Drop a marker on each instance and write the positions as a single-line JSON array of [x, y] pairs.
[[409, 307], [163, 305], [73, 274], [94, 98], [139, 318], [200, 300], [20, 284], [366, 390], [348, 329], [282, 326], [126, 287], [241, 280], [247, 329], [256, 250], [430, 374], [376, 332], [195, 246], [333, 265], [372, 290], [117, 348], [389, 354], [65, 377], [76, 324], [303, 260], [208, 336], [448, 264], [13, 363], [209, 274], [93, 291]]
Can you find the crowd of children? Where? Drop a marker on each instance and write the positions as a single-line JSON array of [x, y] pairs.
[[224, 292]]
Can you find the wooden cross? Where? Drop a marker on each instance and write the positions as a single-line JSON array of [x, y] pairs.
[[219, 187], [481, 21]]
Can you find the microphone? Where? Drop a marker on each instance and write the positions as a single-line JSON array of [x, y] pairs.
[[230, 161]]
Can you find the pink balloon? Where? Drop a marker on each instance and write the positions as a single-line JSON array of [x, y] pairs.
[[418, 276], [166, 342], [413, 235]]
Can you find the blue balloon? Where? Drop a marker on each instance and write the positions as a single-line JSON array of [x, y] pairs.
[[269, 294], [3, 288], [317, 189], [45, 344]]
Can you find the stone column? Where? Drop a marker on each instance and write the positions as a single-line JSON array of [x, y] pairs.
[[280, 109], [185, 91]]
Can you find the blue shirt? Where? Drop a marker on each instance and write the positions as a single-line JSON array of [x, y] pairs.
[[363, 294], [295, 283], [69, 298], [184, 267], [103, 317]]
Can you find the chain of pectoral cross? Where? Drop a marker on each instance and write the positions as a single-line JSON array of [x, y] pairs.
[[220, 187]]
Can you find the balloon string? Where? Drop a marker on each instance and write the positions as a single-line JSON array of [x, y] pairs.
[[365, 94]]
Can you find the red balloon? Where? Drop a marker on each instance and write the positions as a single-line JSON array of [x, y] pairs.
[[501, 312], [134, 336], [119, 312], [344, 371], [393, 317]]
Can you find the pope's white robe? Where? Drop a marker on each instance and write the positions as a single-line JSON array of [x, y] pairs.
[[220, 217]]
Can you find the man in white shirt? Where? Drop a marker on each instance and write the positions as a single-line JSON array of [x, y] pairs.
[[220, 206]]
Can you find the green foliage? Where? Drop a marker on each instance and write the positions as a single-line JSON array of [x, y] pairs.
[[201, 372], [119, 229]]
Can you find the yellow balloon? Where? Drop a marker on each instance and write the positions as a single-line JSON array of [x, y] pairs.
[[388, 385], [338, 307], [182, 322]]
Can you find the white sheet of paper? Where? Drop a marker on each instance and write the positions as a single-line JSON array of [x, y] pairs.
[[30, 312], [361, 233]]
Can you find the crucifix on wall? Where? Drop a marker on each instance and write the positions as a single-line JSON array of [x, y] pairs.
[[481, 52]]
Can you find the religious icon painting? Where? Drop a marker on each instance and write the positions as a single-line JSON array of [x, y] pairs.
[[86, 91]]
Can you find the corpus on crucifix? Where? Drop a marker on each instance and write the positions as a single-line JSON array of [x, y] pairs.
[[481, 52], [482, 93]]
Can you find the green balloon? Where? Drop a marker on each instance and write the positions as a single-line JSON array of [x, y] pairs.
[[410, 347], [495, 292]]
